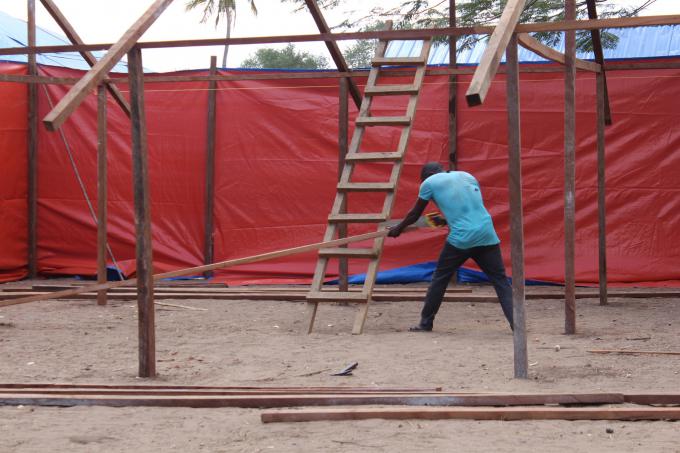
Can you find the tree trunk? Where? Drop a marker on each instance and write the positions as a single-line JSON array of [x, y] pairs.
[[230, 19]]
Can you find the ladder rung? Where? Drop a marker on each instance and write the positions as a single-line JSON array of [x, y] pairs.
[[383, 121], [373, 156], [357, 218], [348, 252], [365, 186], [396, 61], [382, 90], [336, 296]]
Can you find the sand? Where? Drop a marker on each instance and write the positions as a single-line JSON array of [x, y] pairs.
[[260, 343]]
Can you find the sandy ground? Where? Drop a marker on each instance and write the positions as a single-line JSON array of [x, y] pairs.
[[259, 343]]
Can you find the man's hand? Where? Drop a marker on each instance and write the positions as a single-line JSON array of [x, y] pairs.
[[394, 231]]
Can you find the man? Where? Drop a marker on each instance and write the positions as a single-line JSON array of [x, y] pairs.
[[471, 235]]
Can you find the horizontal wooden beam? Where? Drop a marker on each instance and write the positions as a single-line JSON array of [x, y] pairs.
[[625, 22], [529, 42], [99, 71], [303, 389], [467, 413]]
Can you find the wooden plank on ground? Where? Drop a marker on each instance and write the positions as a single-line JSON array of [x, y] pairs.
[[327, 389], [467, 413], [73, 36], [632, 352], [284, 400], [99, 71], [488, 65]]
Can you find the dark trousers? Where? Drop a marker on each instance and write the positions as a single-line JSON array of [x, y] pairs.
[[489, 260]]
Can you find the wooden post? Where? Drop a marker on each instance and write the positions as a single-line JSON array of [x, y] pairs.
[[453, 102], [599, 59], [32, 151], [453, 91], [101, 192], [601, 187], [343, 134], [516, 211], [569, 172], [210, 168], [147, 340]]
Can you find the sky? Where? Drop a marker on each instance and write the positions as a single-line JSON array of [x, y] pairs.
[[98, 21]]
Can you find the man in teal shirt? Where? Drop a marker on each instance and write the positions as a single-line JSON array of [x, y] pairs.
[[471, 235]]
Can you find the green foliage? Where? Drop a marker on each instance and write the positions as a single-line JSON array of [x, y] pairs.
[[287, 58], [435, 14]]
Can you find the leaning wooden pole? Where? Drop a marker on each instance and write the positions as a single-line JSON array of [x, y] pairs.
[[140, 177], [32, 151], [569, 172], [516, 211], [343, 147], [601, 187], [209, 245], [101, 192]]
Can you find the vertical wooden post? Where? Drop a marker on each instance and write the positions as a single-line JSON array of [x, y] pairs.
[[453, 101], [601, 187], [569, 172], [516, 211], [210, 168], [453, 91], [343, 134], [101, 192], [32, 151], [140, 177]]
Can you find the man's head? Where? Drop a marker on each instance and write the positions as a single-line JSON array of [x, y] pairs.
[[429, 169]]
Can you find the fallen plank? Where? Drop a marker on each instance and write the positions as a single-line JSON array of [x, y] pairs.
[[653, 398], [467, 413], [180, 306], [285, 400], [326, 389], [632, 352]]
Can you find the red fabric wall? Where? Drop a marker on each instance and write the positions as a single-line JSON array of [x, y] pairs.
[[277, 163], [13, 175]]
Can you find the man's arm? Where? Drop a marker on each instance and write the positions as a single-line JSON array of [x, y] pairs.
[[413, 215]]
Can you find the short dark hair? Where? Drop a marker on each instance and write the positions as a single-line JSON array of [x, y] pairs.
[[429, 169]]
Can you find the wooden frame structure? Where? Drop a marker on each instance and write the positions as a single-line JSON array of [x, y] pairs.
[[504, 38]]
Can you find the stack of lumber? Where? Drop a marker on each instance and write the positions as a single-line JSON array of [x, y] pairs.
[[411, 403]]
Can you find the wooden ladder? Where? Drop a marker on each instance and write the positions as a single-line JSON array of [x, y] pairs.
[[355, 158]]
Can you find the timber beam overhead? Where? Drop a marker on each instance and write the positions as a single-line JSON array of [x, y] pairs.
[[567, 25], [530, 43]]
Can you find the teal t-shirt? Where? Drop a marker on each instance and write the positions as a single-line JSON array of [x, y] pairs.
[[459, 198]]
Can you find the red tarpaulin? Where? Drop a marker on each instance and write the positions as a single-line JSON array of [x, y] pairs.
[[276, 167]]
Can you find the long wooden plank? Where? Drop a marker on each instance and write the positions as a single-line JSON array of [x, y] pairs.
[[145, 387], [632, 352], [334, 50], [521, 361], [82, 89], [73, 36], [625, 22], [198, 269], [488, 65], [102, 186], [142, 208], [529, 42], [285, 400], [570, 174], [466, 413], [32, 152], [343, 149]]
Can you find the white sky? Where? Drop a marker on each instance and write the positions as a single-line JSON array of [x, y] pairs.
[[99, 21]]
